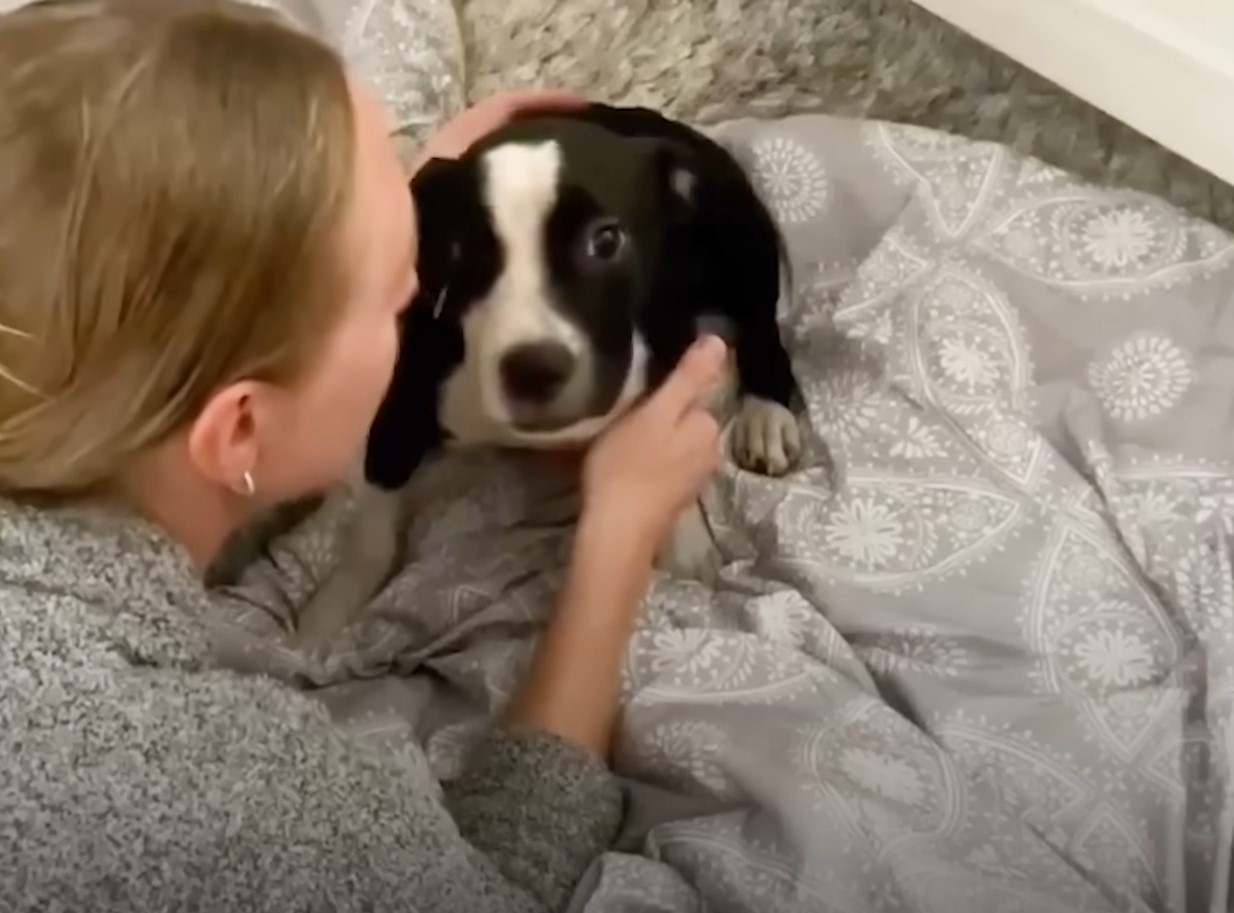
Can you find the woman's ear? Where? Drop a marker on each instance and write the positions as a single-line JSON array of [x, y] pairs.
[[223, 441]]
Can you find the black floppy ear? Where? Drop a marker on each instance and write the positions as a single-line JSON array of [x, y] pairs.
[[406, 428], [437, 189]]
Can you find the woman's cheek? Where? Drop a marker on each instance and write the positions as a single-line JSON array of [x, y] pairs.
[[390, 349], [380, 361]]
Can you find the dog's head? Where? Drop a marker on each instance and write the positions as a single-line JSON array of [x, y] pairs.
[[542, 245]]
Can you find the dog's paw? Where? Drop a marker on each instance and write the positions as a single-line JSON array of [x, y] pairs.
[[691, 552], [765, 437]]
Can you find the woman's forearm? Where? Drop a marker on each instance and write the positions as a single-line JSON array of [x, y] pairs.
[[573, 686]]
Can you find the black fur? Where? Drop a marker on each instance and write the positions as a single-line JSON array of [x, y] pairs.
[[719, 254]]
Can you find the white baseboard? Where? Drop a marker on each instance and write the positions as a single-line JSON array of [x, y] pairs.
[[1164, 67]]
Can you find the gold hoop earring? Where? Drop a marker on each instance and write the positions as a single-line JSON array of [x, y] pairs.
[[250, 487]]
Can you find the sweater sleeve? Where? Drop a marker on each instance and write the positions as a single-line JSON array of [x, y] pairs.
[[539, 807], [157, 790]]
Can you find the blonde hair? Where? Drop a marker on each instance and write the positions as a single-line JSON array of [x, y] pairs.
[[173, 177]]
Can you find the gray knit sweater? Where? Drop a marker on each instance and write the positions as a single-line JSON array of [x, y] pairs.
[[136, 775]]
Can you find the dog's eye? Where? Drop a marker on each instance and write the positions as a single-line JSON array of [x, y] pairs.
[[606, 242]]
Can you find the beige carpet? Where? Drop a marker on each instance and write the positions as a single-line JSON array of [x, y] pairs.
[[709, 59]]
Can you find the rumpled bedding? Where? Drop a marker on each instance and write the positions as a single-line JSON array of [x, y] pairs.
[[975, 654]]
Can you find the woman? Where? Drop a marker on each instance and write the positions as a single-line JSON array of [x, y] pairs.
[[205, 241]]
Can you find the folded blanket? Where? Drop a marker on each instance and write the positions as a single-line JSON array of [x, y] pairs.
[[976, 653]]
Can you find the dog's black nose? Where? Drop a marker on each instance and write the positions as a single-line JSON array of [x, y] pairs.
[[536, 372]]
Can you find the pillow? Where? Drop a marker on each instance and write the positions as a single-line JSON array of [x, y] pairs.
[[410, 50]]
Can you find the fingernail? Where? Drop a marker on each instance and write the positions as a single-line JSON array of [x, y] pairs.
[[711, 347]]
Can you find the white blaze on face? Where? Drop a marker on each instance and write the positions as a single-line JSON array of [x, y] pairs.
[[520, 192]]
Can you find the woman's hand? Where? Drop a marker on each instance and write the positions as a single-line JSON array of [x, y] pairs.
[[462, 132], [644, 470], [636, 479]]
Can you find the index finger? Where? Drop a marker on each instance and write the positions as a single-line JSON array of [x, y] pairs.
[[699, 369]]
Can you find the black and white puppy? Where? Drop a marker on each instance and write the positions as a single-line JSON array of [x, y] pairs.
[[566, 263]]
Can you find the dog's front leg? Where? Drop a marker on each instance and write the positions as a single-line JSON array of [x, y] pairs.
[[367, 557], [691, 550]]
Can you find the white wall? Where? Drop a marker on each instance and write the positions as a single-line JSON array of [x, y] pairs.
[[1166, 67]]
